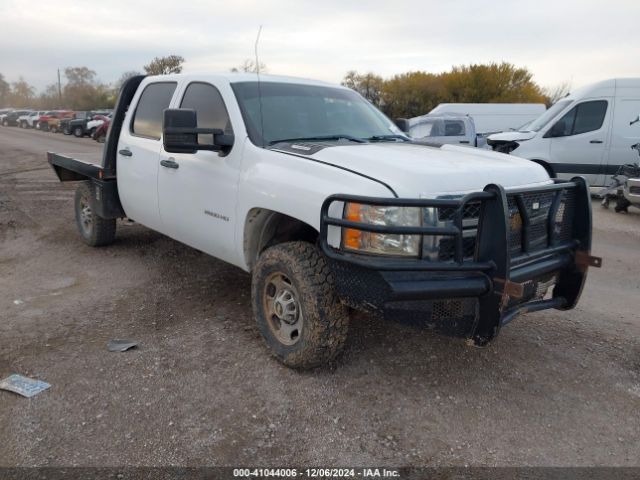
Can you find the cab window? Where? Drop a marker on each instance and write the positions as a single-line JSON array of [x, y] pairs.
[[147, 119], [584, 117], [206, 100]]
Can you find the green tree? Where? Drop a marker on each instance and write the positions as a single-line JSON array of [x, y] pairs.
[[411, 94], [164, 65], [492, 83], [5, 91]]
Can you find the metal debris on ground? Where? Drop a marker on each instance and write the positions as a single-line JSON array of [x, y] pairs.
[[120, 345], [27, 387]]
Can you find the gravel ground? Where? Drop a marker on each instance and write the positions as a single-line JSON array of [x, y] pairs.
[[556, 388]]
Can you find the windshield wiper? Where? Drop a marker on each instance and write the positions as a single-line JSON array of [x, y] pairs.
[[322, 137], [385, 138]]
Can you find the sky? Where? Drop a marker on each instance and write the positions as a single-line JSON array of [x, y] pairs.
[[559, 41]]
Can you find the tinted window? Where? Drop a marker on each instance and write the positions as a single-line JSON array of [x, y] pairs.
[[584, 117], [563, 127], [206, 100], [453, 128], [147, 119], [590, 116]]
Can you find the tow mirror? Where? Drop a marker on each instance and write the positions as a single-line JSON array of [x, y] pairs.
[[636, 120], [180, 133], [402, 124]]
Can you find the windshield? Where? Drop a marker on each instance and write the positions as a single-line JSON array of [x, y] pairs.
[[547, 116], [294, 111]]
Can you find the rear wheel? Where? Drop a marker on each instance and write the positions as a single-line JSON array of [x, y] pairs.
[[95, 231], [78, 132], [53, 129], [296, 307]]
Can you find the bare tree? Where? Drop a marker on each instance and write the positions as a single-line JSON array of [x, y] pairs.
[[557, 92], [21, 93], [164, 65], [250, 66]]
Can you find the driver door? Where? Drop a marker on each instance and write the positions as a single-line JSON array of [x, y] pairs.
[[197, 191]]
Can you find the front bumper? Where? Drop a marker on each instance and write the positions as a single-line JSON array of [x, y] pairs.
[[632, 190], [528, 242]]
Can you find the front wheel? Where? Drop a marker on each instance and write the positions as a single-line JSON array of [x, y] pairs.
[[78, 132], [296, 307], [95, 231]]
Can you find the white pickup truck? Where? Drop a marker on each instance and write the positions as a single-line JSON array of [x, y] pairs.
[[329, 206]]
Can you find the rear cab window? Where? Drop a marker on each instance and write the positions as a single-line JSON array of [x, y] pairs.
[[147, 118]]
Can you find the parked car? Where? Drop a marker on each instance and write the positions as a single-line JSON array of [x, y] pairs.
[[53, 123], [32, 119], [100, 134], [21, 121], [4, 112], [328, 205], [65, 123], [586, 133], [94, 123], [442, 129], [493, 117], [43, 121], [79, 126], [11, 118]]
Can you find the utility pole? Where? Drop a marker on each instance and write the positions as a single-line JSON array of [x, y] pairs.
[[59, 90]]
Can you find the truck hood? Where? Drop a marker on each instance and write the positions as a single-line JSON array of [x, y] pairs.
[[424, 171], [511, 136]]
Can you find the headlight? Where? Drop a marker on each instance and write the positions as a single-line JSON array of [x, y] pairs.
[[382, 243]]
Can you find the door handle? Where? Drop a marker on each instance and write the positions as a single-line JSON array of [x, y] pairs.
[[169, 163], [126, 152], [595, 141]]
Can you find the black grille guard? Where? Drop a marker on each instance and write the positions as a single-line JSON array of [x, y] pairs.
[[492, 259]]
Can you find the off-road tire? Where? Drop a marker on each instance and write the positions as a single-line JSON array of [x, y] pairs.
[[78, 132], [99, 231], [325, 320]]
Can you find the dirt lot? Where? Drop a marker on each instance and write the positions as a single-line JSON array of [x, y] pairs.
[[554, 389]]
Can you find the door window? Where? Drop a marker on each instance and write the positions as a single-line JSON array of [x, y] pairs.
[[147, 119], [583, 118], [206, 100]]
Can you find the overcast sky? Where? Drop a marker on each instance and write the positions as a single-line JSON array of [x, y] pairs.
[[558, 40]]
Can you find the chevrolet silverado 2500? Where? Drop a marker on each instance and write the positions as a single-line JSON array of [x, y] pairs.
[[329, 206]]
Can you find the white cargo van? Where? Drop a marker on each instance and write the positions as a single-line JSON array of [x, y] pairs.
[[589, 132], [493, 117]]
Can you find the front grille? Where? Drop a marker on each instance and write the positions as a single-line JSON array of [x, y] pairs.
[[634, 190], [536, 206], [470, 211]]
